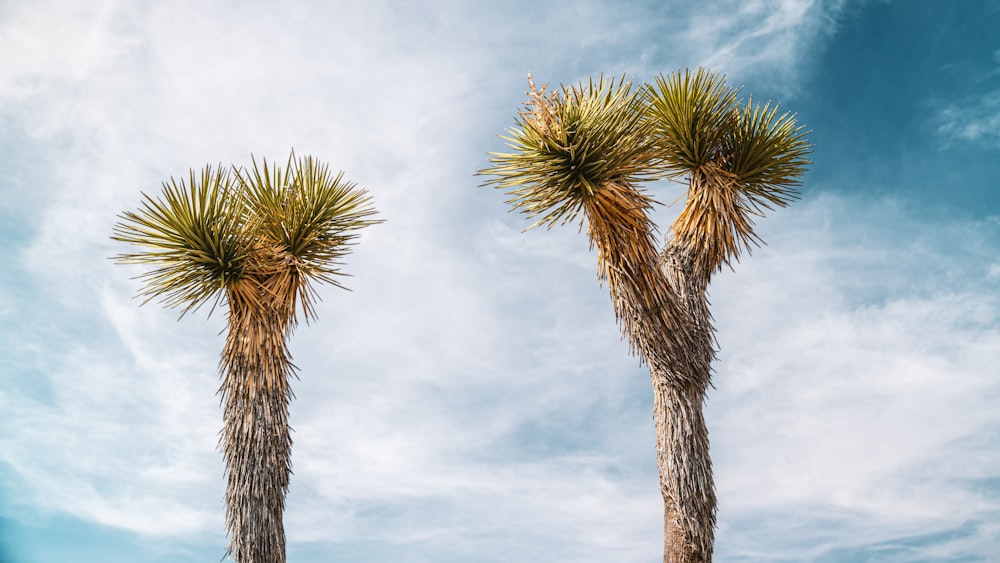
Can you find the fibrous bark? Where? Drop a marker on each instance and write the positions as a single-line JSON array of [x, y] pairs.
[[682, 447], [660, 300], [256, 439], [680, 368]]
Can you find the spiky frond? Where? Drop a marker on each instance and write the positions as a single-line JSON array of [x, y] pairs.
[[210, 231], [739, 159], [586, 149], [194, 235], [568, 145], [692, 113], [767, 154], [308, 215]]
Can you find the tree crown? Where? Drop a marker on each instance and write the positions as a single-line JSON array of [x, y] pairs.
[[225, 226]]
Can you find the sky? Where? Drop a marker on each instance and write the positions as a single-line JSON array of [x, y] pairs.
[[470, 398]]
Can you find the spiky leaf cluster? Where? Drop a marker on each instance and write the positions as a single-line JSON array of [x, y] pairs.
[[192, 236], [586, 149], [223, 225], [692, 115], [569, 144], [740, 158]]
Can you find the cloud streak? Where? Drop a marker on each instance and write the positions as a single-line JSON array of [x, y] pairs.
[[471, 394], [972, 121], [867, 406]]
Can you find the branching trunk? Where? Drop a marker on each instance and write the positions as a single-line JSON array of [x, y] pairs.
[[256, 439], [682, 448], [661, 303], [680, 367]]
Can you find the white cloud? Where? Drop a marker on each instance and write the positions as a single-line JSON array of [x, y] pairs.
[[993, 270], [471, 394], [973, 120], [56, 44], [119, 437], [770, 40], [872, 416]]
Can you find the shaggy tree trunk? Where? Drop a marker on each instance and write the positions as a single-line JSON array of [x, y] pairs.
[[256, 439], [682, 449], [258, 455], [685, 472], [661, 303]]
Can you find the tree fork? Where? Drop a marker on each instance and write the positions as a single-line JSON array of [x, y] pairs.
[[682, 446]]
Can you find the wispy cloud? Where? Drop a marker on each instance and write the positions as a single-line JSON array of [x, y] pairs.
[[865, 407], [974, 121], [472, 393], [770, 41]]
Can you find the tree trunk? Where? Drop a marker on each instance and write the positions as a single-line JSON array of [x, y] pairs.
[[660, 300], [256, 439], [682, 448], [685, 473], [258, 457]]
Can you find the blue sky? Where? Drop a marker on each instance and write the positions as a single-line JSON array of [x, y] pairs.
[[470, 399]]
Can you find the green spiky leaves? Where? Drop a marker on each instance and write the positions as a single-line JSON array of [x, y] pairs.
[[569, 144], [692, 114], [767, 154], [222, 226], [700, 123], [740, 159], [193, 237]]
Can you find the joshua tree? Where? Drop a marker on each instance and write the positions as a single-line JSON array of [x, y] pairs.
[[588, 148], [256, 239]]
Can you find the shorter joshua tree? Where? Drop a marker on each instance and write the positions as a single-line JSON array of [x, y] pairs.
[[255, 239]]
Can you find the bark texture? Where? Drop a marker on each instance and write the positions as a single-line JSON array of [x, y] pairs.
[[682, 447], [686, 484], [680, 368], [256, 439], [660, 300]]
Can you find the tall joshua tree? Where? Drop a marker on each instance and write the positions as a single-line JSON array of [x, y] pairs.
[[256, 240], [589, 148]]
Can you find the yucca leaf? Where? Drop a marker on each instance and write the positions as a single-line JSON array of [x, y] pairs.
[[566, 145], [691, 113], [739, 160], [767, 154], [310, 216], [194, 236]]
